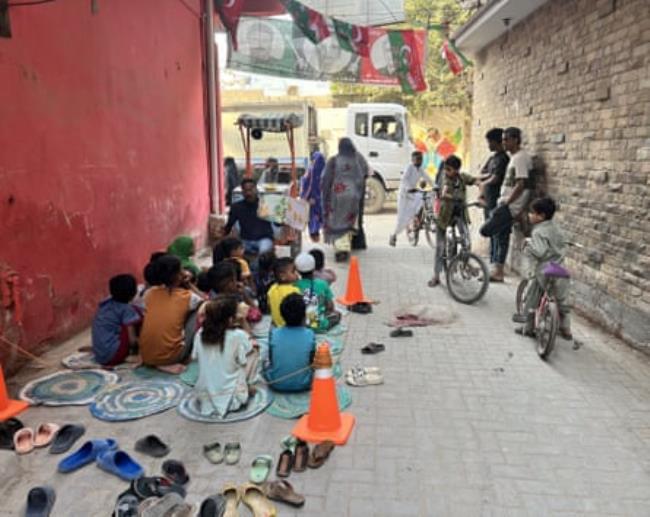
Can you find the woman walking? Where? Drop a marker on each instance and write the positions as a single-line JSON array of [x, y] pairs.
[[310, 192], [342, 190]]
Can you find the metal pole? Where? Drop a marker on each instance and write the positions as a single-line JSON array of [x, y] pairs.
[[212, 105]]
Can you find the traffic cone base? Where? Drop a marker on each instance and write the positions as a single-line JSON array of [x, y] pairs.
[[339, 436], [9, 407], [354, 292]]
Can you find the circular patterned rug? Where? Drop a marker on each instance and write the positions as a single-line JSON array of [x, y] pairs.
[[137, 399], [294, 405], [260, 401], [67, 388]]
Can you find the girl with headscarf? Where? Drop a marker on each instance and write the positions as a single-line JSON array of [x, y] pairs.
[[342, 188], [310, 192], [183, 248]]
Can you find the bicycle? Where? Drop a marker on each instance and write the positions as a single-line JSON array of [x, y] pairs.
[[547, 314], [466, 274], [424, 220]]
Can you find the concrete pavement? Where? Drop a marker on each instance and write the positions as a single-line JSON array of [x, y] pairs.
[[469, 422]]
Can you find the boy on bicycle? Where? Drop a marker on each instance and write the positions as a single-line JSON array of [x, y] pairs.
[[453, 197], [546, 244], [408, 202]]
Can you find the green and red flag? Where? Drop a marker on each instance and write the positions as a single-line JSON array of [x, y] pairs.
[[311, 23], [455, 59], [230, 12], [353, 38], [407, 60]]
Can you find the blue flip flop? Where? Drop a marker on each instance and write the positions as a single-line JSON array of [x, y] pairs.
[[86, 454], [120, 464]]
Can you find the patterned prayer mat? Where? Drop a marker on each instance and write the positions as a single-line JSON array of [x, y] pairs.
[[137, 399], [80, 361], [66, 388], [294, 405], [260, 401]]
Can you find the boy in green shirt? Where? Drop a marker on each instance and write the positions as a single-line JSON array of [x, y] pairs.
[[318, 296], [453, 196]]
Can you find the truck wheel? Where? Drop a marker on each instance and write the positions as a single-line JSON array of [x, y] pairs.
[[375, 196]]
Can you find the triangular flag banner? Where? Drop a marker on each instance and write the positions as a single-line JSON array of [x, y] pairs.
[[407, 61], [453, 60], [312, 24], [353, 38], [230, 12]]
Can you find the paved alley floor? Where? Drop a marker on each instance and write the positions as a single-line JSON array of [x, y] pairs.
[[469, 422]]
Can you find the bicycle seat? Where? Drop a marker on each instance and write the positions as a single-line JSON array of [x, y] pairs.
[[555, 270]]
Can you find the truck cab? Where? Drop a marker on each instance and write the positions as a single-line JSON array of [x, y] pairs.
[[380, 132]]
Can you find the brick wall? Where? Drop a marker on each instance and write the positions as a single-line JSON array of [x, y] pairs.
[[575, 76]]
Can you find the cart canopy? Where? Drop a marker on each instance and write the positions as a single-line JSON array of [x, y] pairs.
[[273, 122]]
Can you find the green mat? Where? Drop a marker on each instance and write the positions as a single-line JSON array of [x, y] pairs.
[[189, 376], [294, 405]]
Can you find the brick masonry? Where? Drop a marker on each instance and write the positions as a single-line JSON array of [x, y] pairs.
[[575, 76]]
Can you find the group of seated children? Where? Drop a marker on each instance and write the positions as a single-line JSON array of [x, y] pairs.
[[183, 313]]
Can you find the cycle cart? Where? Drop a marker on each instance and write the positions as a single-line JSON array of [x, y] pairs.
[[283, 206], [466, 273]]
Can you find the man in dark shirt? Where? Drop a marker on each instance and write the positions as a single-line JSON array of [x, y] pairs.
[[492, 177], [255, 233]]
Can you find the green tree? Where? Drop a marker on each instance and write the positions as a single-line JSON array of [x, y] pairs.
[[445, 89]]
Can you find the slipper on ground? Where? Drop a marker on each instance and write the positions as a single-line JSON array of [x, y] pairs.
[[152, 446], [260, 468], [24, 440], [86, 454], [66, 437], [40, 501], [120, 463], [45, 434]]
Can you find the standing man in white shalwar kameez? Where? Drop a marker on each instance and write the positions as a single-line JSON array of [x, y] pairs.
[[409, 203]]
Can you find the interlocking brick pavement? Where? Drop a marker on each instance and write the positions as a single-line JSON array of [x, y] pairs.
[[469, 422]]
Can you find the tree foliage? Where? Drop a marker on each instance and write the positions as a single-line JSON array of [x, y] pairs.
[[445, 89]]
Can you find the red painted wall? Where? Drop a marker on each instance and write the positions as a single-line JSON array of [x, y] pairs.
[[103, 154]]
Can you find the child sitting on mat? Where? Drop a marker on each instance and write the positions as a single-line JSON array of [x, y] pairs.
[[224, 283], [232, 248], [291, 349], [321, 271], [114, 326], [264, 279], [227, 360], [285, 275], [318, 296], [170, 318]]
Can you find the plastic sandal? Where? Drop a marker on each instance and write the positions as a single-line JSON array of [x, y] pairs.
[[213, 506], [120, 464], [373, 348], [400, 332], [360, 377], [232, 452], [283, 492], [231, 493], [175, 471], [66, 437], [285, 463], [160, 506], [155, 486], [319, 454], [86, 454], [40, 501], [7, 431], [152, 445], [260, 468], [126, 505], [259, 505], [24, 440], [45, 434], [301, 456], [213, 452]]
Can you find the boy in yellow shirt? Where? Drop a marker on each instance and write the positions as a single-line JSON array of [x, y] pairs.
[[285, 274]]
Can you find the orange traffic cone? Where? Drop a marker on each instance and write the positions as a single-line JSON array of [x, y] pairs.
[[8, 407], [324, 421], [354, 292]]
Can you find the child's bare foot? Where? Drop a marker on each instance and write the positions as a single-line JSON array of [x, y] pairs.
[[174, 369], [134, 361]]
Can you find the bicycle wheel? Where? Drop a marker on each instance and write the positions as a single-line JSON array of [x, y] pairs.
[[467, 278], [547, 324], [430, 229], [521, 296], [451, 243]]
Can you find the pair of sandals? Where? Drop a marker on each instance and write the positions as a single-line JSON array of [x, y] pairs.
[[216, 454], [300, 458], [364, 376], [253, 496], [26, 439], [106, 455]]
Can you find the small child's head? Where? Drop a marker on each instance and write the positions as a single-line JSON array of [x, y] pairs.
[[542, 209], [123, 288], [156, 255], [238, 269], [416, 158], [169, 271], [451, 166], [293, 310], [230, 247], [265, 262], [305, 264], [220, 315], [203, 282], [285, 271], [223, 277], [319, 258]]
